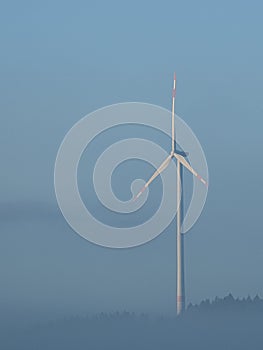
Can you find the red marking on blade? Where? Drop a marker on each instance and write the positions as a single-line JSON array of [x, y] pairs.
[[174, 76], [138, 195], [180, 298], [202, 180], [143, 189]]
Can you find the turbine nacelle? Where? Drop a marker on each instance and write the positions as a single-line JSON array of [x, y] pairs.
[[181, 153]]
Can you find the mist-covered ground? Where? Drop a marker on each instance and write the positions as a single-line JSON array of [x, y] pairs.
[[222, 324]]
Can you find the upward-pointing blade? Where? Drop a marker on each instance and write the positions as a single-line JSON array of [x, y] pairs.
[[157, 172], [173, 103], [188, 166]]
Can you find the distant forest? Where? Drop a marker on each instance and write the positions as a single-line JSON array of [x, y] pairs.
[[225, 323]]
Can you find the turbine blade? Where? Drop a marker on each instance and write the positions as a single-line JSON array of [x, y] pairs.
[[156, 173], [188, 166], [173, 103]]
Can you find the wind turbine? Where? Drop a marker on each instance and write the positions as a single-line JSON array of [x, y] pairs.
[[181, 162]]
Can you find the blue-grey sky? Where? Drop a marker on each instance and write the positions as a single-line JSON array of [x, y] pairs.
[[61, 60]]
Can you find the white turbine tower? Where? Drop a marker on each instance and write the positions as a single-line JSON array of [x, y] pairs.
[[181, 161]]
